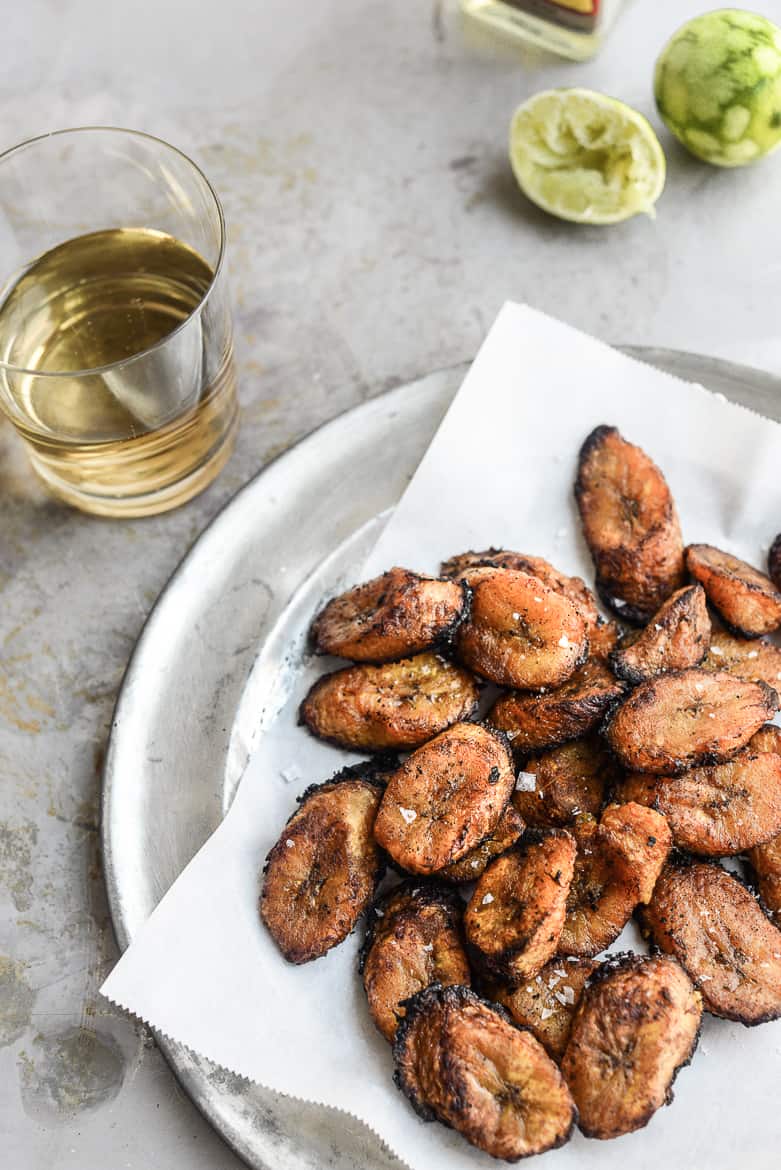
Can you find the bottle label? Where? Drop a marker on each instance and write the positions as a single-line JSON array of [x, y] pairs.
[[582, 15]]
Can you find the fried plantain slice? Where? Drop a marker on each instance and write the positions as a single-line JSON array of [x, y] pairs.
[[509, 829], [557, 785], [325, 867], [392, 616], [534, 722], [720, 810], [393, 706], [630, 525], [767, 739], [618, 862], [461, 1061], [688, 719], [637, 1024], [464, 566], [677, 637], [514, 917], [414, 939], [745, 599], [754, 659], [547, 1004], [717, 931], [520, 633], [774, 562], [602, 640], [446, 798], [766, 863]]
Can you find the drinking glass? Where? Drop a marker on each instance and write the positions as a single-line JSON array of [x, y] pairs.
[[116, 355]]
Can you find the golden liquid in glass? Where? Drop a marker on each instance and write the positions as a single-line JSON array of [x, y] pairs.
[[124, 428]]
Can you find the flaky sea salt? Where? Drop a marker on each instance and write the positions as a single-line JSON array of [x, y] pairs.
[[717, 650], [546, 1013], [526, 782], [487, 899], [408, 814], [290, 843], [564, 642]]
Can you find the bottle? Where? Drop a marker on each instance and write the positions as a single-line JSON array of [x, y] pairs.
[[571, 28]]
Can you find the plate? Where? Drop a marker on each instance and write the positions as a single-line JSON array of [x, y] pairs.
[[208, 671]]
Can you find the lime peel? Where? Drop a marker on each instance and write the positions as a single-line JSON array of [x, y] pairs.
[[718, 86], [586, 157]]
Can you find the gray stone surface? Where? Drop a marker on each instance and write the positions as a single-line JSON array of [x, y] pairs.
[[374, 231]]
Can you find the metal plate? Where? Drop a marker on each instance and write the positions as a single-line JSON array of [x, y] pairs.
[[190, 703]]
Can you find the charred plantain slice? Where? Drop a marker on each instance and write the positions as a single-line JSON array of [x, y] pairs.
[[717, 811], [414, 939], [546, 1005], [618, 862], [751, 658], [393, 706], [637, 1024], [461, 1061], [559, 784], [392, 616], [514, 917], [745, 599], [463, 567], [520, 633], [630, 524], [534, 722], [766, 863], [324, 869], [774, 562], [716, 929], [676, 637], [446, 798], [509, 829], [684, 720]]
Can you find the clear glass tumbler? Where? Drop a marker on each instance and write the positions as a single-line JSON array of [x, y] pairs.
[[116, 355]]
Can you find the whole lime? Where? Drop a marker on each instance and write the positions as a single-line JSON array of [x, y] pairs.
[[718, 86]]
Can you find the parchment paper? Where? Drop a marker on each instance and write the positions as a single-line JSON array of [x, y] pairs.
[[204, 971]]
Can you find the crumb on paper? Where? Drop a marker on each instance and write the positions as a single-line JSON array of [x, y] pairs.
[[290, 774], [526, 782]]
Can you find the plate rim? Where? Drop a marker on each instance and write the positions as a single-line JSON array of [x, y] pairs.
[[761, 381]]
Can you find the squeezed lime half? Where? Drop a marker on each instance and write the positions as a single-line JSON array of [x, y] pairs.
[[586, 157], [718, 86]]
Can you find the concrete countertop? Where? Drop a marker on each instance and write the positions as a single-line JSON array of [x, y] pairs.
[[359, 148]]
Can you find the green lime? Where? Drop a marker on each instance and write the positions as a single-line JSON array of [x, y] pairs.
[[718, 86], [586, 157]]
